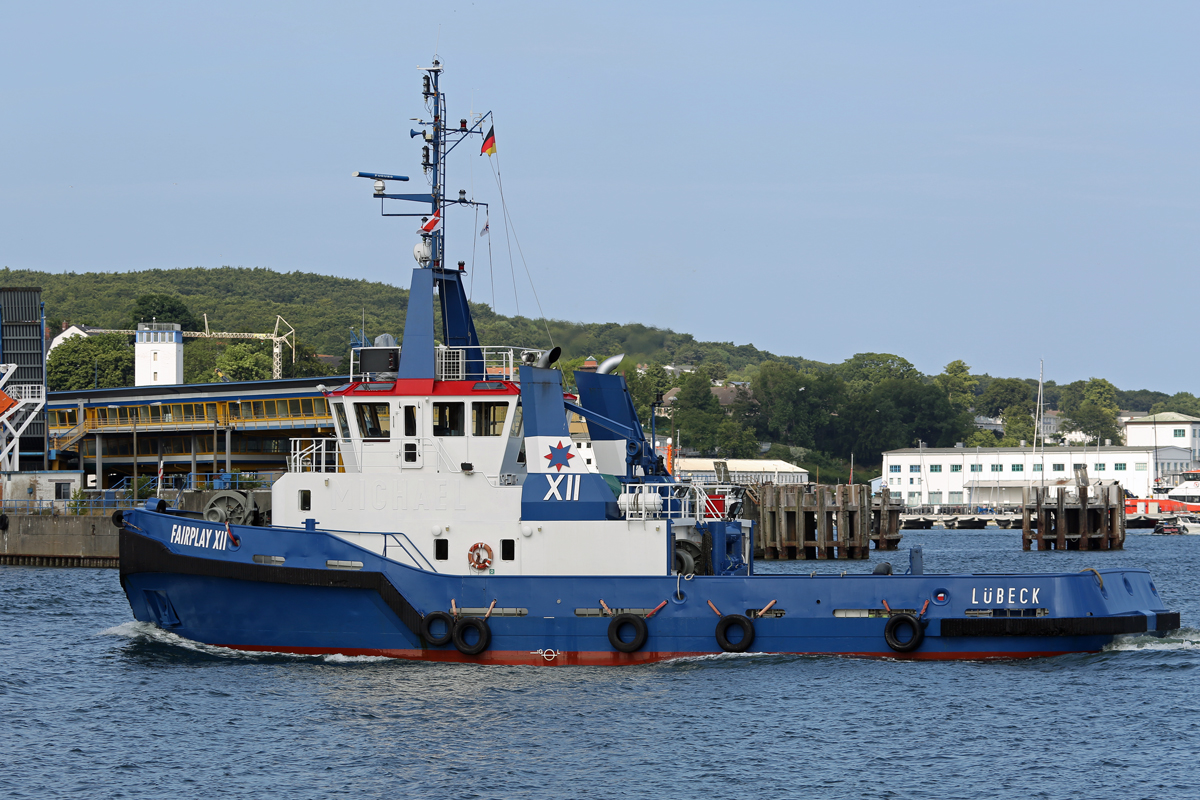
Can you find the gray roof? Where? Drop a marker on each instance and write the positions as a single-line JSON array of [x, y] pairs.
[[912, 451], [1165, 416]]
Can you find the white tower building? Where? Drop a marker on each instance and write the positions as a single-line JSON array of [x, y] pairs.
[[158, 354]]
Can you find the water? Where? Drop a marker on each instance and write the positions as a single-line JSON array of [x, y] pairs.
[[94, 705]]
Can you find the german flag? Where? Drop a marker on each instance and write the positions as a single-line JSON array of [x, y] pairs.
[[489, 142]]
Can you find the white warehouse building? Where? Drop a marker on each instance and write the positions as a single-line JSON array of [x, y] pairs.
[[991, 476], [1167, 429]]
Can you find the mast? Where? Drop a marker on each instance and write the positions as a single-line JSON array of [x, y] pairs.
[[417, 357]]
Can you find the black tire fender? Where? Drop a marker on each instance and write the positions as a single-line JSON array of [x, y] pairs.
[[118, 519], [427, 628], [728, 621], [640, 633], [460, 640], [894, 624]]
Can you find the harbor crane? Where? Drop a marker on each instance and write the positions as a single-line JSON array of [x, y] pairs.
[[283, 334]]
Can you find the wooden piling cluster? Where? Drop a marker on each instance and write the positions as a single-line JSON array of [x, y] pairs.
[[1094, 520], [810, 521]]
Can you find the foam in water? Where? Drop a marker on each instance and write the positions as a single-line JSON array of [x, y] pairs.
[[149, 632], [1182, 639]]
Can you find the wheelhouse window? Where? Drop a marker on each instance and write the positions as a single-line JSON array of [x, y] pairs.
[[339, 412], [449, 419], [374, 421], [487, 419], [518, 420]]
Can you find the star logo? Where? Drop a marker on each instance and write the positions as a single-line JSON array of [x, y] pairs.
[[559, 456]]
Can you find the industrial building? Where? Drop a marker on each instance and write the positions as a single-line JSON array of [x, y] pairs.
[[990, 476], [193, 430]]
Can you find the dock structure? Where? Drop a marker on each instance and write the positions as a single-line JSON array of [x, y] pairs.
[[810, 521], [1083, 518]]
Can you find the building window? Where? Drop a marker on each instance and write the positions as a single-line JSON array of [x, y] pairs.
[[156, 376], [935, 467], [1119, 466], [155, 354], [977, 468], [956, 467], [914, 468], [914, 498], [62, 491], [1180, 433], [956, 498], [997, 468], [1037, 467], [1140, 466], [894, 468], [1099, 468], [935, 498], [1017, 468], [1078, 466], [1058, 467]]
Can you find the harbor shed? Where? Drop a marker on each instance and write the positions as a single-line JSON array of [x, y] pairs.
[[745, 471]]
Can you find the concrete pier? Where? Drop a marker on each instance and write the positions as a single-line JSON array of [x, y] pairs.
[[37, 540]]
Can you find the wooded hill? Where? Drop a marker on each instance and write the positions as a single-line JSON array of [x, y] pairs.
[[323, 309]]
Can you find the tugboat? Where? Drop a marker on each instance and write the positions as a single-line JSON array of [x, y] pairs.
[[453, 518]]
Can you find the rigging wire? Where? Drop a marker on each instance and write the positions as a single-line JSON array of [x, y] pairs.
[[507, 240], [520, 251]]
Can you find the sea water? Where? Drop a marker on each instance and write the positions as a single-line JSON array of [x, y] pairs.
[[94, 705]]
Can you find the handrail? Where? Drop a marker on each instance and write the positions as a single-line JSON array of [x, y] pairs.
[[405, 549]]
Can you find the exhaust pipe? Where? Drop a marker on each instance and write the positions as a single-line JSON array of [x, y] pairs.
[[548, 358], [609, 364]]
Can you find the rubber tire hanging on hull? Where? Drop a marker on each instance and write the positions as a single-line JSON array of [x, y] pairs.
[[640, 633], [460, 639], [427, 628], [897, 621], [728, 621]]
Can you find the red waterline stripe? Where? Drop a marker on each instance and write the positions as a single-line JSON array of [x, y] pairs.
[[602, 658]]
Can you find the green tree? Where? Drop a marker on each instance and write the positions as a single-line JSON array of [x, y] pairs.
[[306, 365], [1096, 413], [644, 387], [735, 440], [697, 413], [1018, 426], [958, 385], [244, 362], [863, 371], [1180, 403], [199, 358], [982, 437], [1004, 393], [84, 362], [162, 308]]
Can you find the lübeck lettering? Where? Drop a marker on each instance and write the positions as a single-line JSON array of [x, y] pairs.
[[1007, 595]]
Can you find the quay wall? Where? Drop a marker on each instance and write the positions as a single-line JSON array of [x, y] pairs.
[[61, 540]]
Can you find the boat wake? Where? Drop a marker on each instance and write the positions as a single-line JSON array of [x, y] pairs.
[[148, 633], [1182, 639]]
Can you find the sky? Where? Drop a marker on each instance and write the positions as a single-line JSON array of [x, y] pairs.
[[995, 182]]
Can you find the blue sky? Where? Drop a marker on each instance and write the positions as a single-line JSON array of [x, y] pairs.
[[997, 182]]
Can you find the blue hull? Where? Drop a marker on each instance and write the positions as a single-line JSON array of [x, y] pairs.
[[210, 591]]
